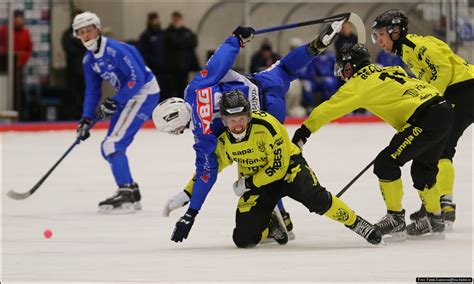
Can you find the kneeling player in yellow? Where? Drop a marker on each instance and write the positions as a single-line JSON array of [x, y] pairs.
[[270, 167], [416, 110]]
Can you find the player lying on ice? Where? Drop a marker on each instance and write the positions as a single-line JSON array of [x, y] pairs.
[[416, 110], [277, 170], [265, 90]]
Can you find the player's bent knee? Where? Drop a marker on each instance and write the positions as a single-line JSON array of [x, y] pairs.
[[321, 201], [242, 241], [385, 167]]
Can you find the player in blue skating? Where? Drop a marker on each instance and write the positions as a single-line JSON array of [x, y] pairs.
[[265, 90], [137, 95]]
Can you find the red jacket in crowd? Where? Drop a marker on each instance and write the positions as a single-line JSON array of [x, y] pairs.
[[22, 44]]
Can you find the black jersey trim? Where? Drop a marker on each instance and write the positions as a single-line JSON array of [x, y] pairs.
[[265, 123]]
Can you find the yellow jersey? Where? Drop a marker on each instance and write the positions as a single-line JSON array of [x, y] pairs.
[[264, 154], [432, 61], [387, 92]]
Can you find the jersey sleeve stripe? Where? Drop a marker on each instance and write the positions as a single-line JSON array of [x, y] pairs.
[[266, 124]]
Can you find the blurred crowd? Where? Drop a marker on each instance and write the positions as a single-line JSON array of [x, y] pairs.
[[171, 54]]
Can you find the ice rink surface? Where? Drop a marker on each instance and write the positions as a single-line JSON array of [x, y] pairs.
[[88, 247]]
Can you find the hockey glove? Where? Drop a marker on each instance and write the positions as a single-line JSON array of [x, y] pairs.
[[175, 202], [107, 108], [244, 34], [301, 136], [183, 226], [242, 185], [327, 36], [82, 129]]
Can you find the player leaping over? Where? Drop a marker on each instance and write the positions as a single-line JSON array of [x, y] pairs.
[[265, 90]]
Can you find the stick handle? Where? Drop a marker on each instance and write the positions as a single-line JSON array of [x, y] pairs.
[[302, 24]]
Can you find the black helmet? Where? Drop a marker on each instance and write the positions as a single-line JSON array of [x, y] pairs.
[[391, 19], [234, 103], [351, 58]]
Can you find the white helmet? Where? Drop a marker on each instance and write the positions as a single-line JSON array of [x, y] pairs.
[[172, 116], [83, 20]]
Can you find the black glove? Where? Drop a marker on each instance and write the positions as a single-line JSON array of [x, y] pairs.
[[244, 34], [301, 136], [82, 129], [183, 226], [108, 107]]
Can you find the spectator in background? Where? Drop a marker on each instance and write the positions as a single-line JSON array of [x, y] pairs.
[[263, 58], [180, 45], [152, 47], [22, 45], [23, 48], [347, 35], [75, 83]]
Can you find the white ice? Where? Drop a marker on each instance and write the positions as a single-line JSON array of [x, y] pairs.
[[90, 247]]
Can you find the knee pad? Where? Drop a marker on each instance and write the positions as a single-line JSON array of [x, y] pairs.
[[321, 201], [385, 167], [243, 242]]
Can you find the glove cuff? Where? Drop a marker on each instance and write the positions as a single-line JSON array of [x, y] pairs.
[[305, 131], [192, 212]]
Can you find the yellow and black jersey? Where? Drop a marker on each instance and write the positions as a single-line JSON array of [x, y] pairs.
[[432, 61], [264, 153], [387, 92]]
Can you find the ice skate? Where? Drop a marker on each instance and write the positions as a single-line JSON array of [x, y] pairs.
[[449, 211], [277, 228], [431, 226], [120, 203], [393, 224], [366, 230], [289, 225], [136, 196]]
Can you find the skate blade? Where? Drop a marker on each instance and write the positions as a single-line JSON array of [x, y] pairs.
[[381, 244], [137, 205], [429, 236], [291, 236], [448, 226], [395, 237], [126, 208]]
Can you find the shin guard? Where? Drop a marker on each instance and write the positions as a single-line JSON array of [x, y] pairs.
[[392, 192], [340, 212], [445, 178]]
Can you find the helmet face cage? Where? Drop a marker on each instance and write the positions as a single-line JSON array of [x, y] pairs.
[[351, 58]]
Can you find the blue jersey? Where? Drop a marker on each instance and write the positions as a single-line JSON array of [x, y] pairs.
[[265, 90], [122, 65], [203, 95]]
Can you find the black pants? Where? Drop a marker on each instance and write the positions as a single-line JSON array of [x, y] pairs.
[[255, 207], [462, 98], [422, 141]]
